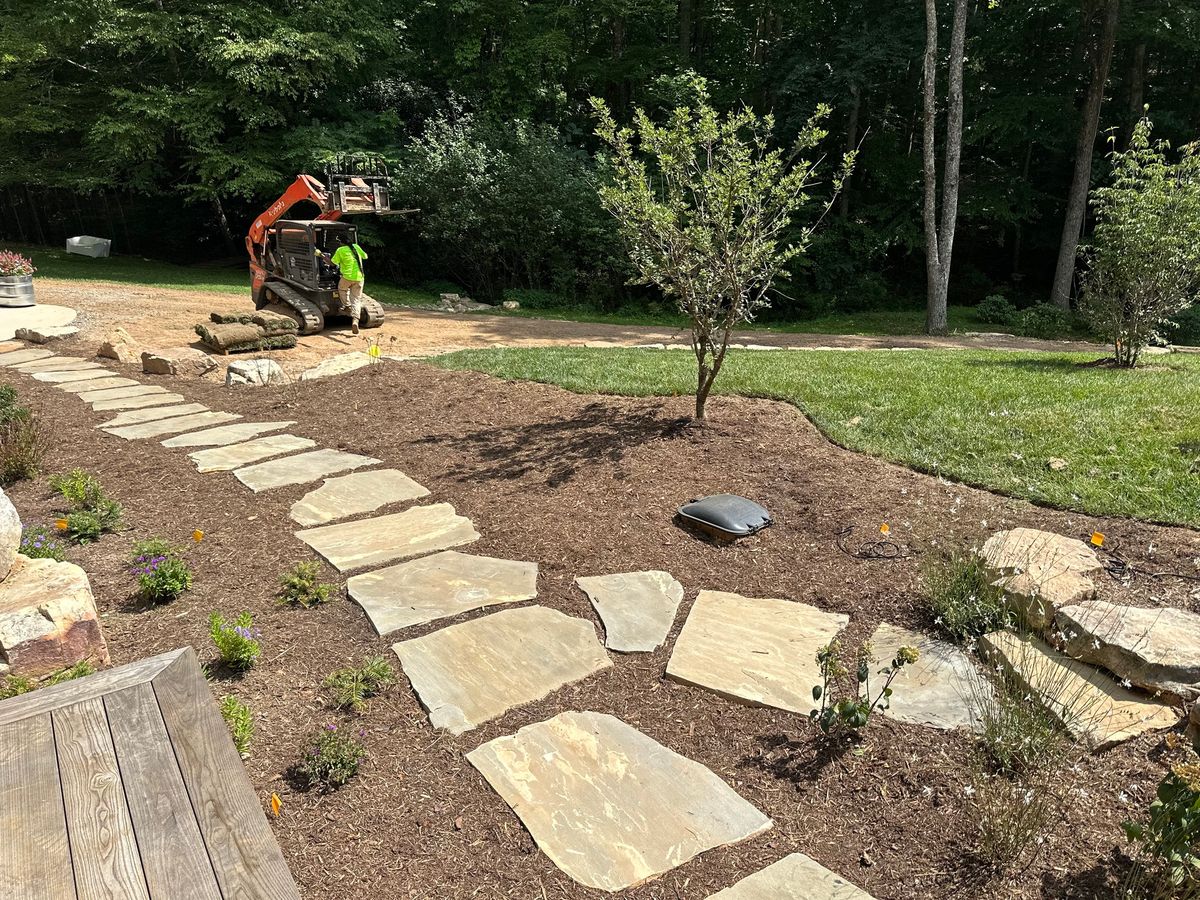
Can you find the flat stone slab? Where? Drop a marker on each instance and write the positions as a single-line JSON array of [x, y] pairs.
[[141, 401], [44, 315], [358, 492], [232, 456], [610, 806], [300, 469], [153, 413], [56, 376], [474, 672], [57, 364], [637, 608], [338, 365], [96, 384], [1156, 649], [384, 539], [439, 586], [16, 357], [795, 877], [761, 652], [173, 425], [943, 688], [46, 334], [1040, 571], [225, 434], [1090, 704], [123, 393]]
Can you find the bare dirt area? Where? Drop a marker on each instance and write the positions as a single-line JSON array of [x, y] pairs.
[[585, 486], [162, 317]]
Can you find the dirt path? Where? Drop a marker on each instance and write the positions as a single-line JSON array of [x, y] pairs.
[[163, 317]]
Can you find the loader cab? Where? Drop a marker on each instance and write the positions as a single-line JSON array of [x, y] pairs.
[[294, 245]]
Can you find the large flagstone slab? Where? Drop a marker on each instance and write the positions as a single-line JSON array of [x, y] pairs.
[[232, 456], [96, 384], [761, 652], [943, 688], [474, 672], [795, 877], [1089, 703], [43, 315], [153, 413], [57, 364], [225, 434], [139, 401], [358, 492], [173, 425], [610, 806], [385, 539], [15, 357], [439, 586], [637, 608], [122, 393], [300, 469], [55, 376]]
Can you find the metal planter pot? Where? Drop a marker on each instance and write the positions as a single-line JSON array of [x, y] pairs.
[[16, 290]]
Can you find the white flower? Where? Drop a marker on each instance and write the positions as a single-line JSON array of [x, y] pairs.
[[1126, 683], [1123, 797], [969, 791], [1095, 644]]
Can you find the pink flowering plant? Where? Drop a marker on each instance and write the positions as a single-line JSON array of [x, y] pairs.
[[160, 570], [237, 641], [15, 264], [331, 757]]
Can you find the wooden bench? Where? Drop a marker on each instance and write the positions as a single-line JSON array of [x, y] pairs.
[[126, 785]]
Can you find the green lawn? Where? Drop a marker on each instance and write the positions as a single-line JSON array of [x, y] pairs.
[[1131, 439]]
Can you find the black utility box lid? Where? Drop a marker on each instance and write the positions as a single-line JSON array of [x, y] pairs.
[[726, 516]]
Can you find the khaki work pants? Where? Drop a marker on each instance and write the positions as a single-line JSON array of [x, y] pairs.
[[350, 294]]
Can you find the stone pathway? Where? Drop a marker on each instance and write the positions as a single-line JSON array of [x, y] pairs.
[[153, 413], [351, 495], [225, 434], [610, 806], [96, 384], [794, 877], [943, 688], [637, 608], [300, 469], [174, 425], [56, 364], [14, 358], [230, 457], [471, 673], [57, 376], [373, 542]]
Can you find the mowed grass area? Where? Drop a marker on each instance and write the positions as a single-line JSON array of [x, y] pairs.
[[1131, 439]]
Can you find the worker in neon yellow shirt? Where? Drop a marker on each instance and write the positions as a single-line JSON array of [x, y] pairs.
[[349, 260]]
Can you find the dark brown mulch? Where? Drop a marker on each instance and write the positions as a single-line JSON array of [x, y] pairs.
[[586, 485]]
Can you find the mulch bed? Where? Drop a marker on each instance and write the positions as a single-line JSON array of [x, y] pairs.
[[584, 486]]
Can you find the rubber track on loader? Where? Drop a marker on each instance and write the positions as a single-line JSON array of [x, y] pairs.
[[374, 310], [314, 319]]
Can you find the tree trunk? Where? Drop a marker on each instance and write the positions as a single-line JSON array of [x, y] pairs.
[[933, 268], [1100, 55], [219, 210], [687, 12], [1137, 89], [851, 144]]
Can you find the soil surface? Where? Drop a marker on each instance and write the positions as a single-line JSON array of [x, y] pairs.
[[162, 317], [585, 486]]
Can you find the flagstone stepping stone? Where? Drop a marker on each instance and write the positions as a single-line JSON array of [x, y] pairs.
[[474, 672], [1156, 649], [795, 877], [137, 416], [1040, 571], [383, 539], [173, 425], [57, 364], [15, 357], [123, 393], [43, 315], [140, 401], [439, 586], [225, 434], [637, 608], [230, 457], [610, 806], [96, 384], [300, 469], [761, 652], [57, 377], [358, 492], [1090, 704], [943, 688]]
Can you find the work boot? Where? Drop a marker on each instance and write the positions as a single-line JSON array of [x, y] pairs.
[[354, 326]]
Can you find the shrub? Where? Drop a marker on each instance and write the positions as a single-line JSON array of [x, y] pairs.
[[351, 687], [78, 488], [240, 721], [236, 641], [15, 685], [995, 309], [161, 573], [37, 542], [961, 597], [1168, 837], [23, 440], [299, 586], [1045, 321], [331, 758], [1186, 329], [854, 710], [90, 513]]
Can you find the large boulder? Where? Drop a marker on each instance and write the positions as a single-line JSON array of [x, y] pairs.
[[177, 361], [10, 535], [1040, 571], [1156, 649], [121, 346], [48, 618], [254, 371]]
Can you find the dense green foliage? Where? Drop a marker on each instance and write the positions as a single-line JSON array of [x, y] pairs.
[[992, 419]]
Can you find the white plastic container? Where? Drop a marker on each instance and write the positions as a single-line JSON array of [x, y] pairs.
[[85, 245]]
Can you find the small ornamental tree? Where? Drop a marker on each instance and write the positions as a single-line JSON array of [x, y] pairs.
[[1143, 264], [704, 202]]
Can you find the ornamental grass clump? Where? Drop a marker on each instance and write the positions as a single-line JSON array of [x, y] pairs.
[[160, 570], [23, 440], [350, 688], [331, 758], [299, 586], [38, 542], [237, 641], [961, 597], [90, 513], [840, 710]]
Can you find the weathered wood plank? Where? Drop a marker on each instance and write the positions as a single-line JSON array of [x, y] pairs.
[[103, 849], [174, 858], [248, 862], [57, 696], [35, 861]]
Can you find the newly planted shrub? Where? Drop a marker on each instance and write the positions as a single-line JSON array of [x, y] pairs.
[[961, 597], [331, 758], [23, 440], [351, 687], [161, 572], [853, 710], [78, 488], [38, 542], [236, 641], [1168, 836], [90, 513], [299, 586], [240, 721]]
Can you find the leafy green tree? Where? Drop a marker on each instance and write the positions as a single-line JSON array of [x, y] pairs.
[[703, 201], [1143, 264]]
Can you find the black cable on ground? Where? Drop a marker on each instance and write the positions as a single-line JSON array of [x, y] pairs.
[[883, 549]]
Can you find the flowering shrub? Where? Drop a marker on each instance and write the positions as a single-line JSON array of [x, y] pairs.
[[331, 758], [237, 641], [241, 724], [853, 711], [37, 543], [15, 264], [299, 586], [162, 575], [351, 687], [90, 512], [1169, 837]]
